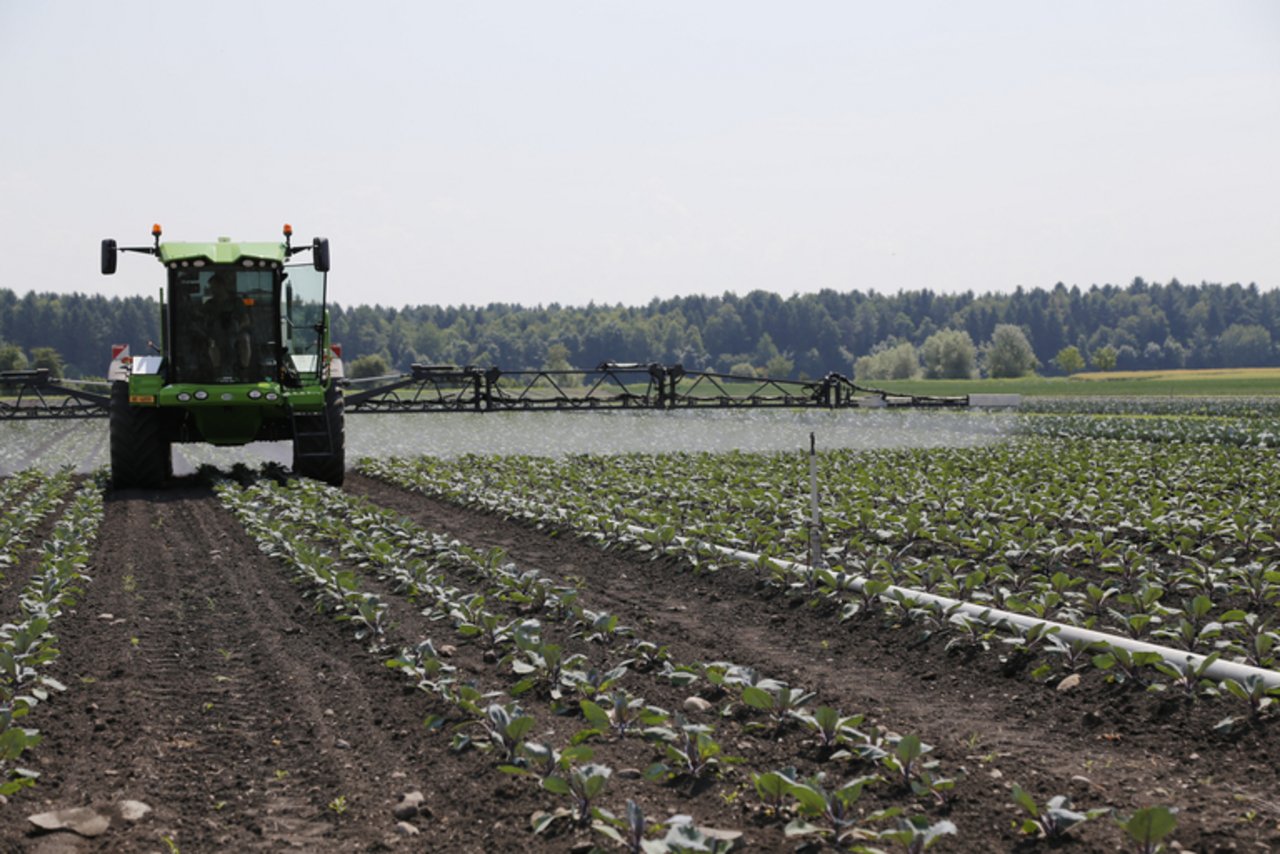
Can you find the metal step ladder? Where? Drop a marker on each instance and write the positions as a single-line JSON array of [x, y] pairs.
[[312, 435]]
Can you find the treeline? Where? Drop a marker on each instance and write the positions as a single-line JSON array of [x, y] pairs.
[[1138, 326]]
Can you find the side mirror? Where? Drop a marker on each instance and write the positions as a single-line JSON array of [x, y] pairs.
[[320, 254], [108, 257]]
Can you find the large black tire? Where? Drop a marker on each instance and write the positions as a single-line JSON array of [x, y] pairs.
[[141, 453], [308, 461]]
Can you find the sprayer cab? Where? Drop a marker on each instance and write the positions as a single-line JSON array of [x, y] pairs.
[[244, 356]]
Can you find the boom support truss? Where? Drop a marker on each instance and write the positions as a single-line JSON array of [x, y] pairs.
[[448, 388], [613, 385]]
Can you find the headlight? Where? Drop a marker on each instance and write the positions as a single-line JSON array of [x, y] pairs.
[[202, 395]]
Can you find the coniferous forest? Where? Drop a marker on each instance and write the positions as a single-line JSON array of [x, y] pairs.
[[1138, 326]]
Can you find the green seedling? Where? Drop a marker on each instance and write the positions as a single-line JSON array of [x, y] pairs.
[[905, 762], [773, 787], [832, 809], [1190, 676], [584, 784], [1148, 827], [1125, 666], [689, 748], [829, 726], [782, 702], [917, 834], [1054, 819]]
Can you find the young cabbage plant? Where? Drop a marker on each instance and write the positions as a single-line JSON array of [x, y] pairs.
[[905, 762], [869, 599], [972, 634], [504, 728], [543, 760], [1076, 654], [593, 682], [630, 830], [369, 614], [622, 714], [830, 727], [684, 837], [689, 748], [647, 656], [542, 664], [783, 703], [917, 834], [424, 664], [1251, 637], [940, 789], [1125, 666], [583, 783], [873, 745], [1189, 676], [600, 627], [828, 812], [773, 787], [1252, 690], [1054, 819], [1148, 827], [1026, 641]]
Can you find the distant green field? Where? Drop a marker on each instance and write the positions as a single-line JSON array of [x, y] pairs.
[[1199, 383]]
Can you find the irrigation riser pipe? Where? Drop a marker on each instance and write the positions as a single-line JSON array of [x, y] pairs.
[[1218, 670]]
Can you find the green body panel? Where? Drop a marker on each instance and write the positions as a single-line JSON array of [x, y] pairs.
[[221, 252], [228, 416]]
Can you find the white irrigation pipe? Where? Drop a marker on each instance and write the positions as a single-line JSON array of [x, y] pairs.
[[1218, 670]]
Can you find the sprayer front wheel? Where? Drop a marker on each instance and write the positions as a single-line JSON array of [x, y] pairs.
[[141, 454]]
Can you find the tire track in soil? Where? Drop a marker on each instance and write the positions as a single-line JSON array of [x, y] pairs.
[[1101, 746], [213, 693]]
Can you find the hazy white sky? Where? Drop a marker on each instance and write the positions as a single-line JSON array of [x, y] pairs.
[[567, 152]]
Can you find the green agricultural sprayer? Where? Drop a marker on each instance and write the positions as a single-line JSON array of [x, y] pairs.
[[244, 356]]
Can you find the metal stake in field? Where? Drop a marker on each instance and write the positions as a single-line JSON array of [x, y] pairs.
[[815, 521]]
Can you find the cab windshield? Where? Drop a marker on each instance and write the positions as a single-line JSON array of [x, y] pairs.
[[223, 325]]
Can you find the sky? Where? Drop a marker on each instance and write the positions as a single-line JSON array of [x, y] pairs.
[[617, 152]]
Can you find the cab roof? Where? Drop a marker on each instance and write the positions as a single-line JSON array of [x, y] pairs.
[[223, 251]]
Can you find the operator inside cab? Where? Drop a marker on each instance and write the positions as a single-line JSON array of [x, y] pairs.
[[228, 326], [222, 323]]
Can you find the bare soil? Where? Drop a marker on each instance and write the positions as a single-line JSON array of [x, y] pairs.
[[203, 683]]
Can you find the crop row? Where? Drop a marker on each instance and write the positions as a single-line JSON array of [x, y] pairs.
[[555, 662], [1256, 432], [1205, 407], [1168, 545], [27, 644], [25, 500]]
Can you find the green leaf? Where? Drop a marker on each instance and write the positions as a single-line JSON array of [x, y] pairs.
[[1151, 824], [595, 715], [756, 698], [812, 802], [800, 827], [1023, 799], [557, 785]]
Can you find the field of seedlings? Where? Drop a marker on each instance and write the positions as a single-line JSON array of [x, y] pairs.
[[1047, 631]]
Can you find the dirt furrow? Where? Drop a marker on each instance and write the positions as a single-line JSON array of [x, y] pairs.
[[202, 685], [1101, 744]]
